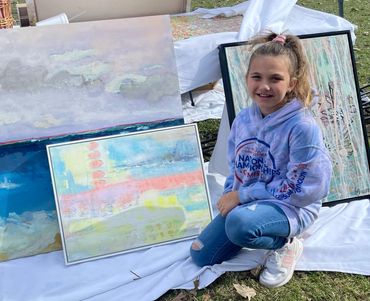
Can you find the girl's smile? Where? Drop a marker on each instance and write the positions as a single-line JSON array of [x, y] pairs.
[[268, 82]]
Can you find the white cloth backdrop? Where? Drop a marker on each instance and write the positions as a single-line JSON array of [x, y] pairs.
[[338, 241]]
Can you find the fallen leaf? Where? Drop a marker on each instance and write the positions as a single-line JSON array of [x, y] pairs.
[[206, 297], [245, 291]]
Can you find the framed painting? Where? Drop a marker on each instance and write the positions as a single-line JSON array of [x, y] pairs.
[[338, 110], [122, 193], [75, 81]]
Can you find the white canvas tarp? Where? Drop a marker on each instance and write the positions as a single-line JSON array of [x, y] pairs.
[[338, 241]]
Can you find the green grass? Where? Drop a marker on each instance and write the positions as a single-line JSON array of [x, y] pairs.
[[304, 286], [308, 286]]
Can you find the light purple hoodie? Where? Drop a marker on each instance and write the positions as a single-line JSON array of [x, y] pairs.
[[280, 158]]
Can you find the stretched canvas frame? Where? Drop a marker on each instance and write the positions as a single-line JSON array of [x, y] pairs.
[[123, 193], [338, 111]]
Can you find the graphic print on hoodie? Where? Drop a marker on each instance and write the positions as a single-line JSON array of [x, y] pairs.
[[280, 158], [255, 163]]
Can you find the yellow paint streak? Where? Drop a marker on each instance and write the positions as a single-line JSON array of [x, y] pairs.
[[82, 224], [153, 200]]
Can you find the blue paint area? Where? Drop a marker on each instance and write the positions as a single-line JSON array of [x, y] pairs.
[[197, 206], [25, 181], [155, 169], [145, 156]]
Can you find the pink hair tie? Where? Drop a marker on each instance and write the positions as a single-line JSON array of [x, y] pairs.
[[280, 39]]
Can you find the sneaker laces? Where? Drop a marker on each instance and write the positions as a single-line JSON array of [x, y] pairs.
[[273, 261]]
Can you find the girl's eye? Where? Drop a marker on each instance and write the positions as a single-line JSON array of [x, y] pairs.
[[276, 79], [255, 77]]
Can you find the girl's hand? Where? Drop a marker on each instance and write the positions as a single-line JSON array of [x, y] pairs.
[[227, 202]]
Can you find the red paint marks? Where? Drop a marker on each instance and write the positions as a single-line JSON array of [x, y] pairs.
[[98, 174], [96, 163], [99, 183], [169, 182], [92, 145], [94, 155], [123, 194], [124, 191], [125, 200]]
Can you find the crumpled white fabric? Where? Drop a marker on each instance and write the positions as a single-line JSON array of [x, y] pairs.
[[197, 57], [338, 241], [207, 104], [275, 14], [231, 11]]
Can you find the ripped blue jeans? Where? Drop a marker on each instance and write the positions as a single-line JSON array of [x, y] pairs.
[[255, 226]]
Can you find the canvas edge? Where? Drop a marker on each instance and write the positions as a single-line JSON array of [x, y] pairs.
[[50, 160]]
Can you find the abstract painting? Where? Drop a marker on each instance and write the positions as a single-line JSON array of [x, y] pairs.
[[187, 26], [126, 192], [73, 81], [338, 108]]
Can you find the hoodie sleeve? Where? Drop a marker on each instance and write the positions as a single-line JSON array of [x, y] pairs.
[[309, 169]]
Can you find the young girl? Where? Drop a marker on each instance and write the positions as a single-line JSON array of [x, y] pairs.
[[279, 167]]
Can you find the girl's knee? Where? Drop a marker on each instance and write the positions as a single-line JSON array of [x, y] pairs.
[[238, 230], [198, 255]]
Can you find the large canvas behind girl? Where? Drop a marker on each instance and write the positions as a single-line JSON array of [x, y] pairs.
[[337, 108]]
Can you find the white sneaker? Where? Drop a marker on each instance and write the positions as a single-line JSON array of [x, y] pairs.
[[280, 264]]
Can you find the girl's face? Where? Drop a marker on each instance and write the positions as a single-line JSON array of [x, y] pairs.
[[268, 82]]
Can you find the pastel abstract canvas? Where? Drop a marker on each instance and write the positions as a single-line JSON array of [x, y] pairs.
[[187, 26], [84, 76], [337, 108], [121, 193], [68, 82]]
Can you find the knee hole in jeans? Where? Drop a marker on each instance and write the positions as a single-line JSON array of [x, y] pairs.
[[197, 245]]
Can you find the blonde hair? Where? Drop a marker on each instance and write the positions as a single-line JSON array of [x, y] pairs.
[[298, 68]]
